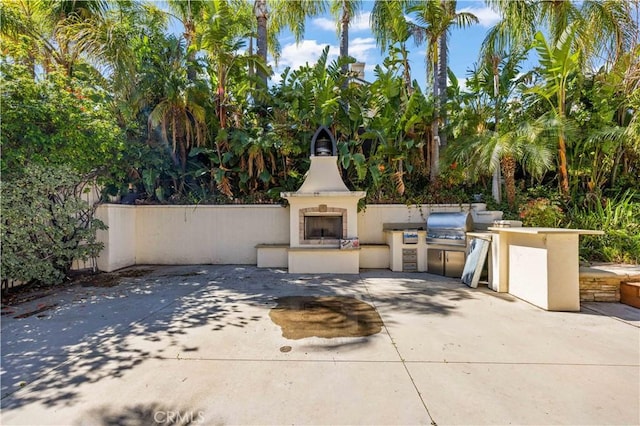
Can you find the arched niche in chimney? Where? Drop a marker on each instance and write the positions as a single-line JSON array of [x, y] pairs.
[[323, 144]]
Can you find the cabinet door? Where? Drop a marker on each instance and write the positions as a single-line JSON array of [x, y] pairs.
[[453, 264], [435, 261]]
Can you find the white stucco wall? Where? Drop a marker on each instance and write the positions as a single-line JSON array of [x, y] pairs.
[[371, 219], [120, 239], [225, 234], [207, 234]]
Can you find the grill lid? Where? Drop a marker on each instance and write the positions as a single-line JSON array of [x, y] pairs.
[[449, 227]]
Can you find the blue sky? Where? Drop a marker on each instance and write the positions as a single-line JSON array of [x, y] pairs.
[[464, 44]]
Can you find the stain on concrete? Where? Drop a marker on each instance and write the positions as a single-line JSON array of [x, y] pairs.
[[111, 279], [326, 316], [40, 308]]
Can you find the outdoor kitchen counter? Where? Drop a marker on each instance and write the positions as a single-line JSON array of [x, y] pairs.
[[539, 265], [400, 247]]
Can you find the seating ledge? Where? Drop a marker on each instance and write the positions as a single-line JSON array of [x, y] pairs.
[[596, 272], [275, 246]]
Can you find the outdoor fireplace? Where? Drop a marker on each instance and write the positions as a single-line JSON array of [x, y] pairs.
[[322, 212]]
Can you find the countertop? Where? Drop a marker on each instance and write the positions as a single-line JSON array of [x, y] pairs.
[[535, 230]]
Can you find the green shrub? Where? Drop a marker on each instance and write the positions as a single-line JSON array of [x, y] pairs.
[[541, 212], [45, 225], [619, 218], [46, 122]]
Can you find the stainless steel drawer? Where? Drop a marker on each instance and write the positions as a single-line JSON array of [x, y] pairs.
[[409, 266]]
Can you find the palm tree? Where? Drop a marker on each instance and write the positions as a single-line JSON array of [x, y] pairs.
[[390, 26], [283, 13], [495, 81], [344, 10], [610, 30], [435, 18], [262, 15], [557, 62], [602, 26], [222, 35], [189, 13], [489, 150], [54, 30], [180, 113], [576, 34], [23, 39]]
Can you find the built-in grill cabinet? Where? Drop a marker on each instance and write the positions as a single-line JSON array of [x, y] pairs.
[[447, 262], [446, 242]]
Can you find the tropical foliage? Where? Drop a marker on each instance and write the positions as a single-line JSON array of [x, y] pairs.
[[160, 117], [49, 122]]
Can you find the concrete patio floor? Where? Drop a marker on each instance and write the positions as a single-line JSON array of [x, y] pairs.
[[197, 345]]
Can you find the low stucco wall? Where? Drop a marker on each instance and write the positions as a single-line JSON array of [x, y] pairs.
[[182, 235], [120, 239], [371, 219], [229, 234]]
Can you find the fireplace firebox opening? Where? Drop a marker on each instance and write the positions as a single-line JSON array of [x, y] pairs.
[[323, 227]]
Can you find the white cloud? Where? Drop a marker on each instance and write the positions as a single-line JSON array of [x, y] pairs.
[[308, 51], [486, 16], [462, 83], [324, 24], [359, 23], [359, 48]]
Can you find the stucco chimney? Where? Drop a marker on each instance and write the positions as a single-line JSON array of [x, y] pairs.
[[358, 68]]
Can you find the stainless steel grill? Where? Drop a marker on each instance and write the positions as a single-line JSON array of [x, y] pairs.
[[446, 242], [449, 228]]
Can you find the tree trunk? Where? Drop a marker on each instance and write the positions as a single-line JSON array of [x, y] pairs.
[[251, 68], [344, 35], [562, 146], [406, 69], [183, 154], [508, 164], [442, 87], [261, 13], [496, 188], [562, 158], [221, 102], [434, 167], [496, 192], [189, 36]]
